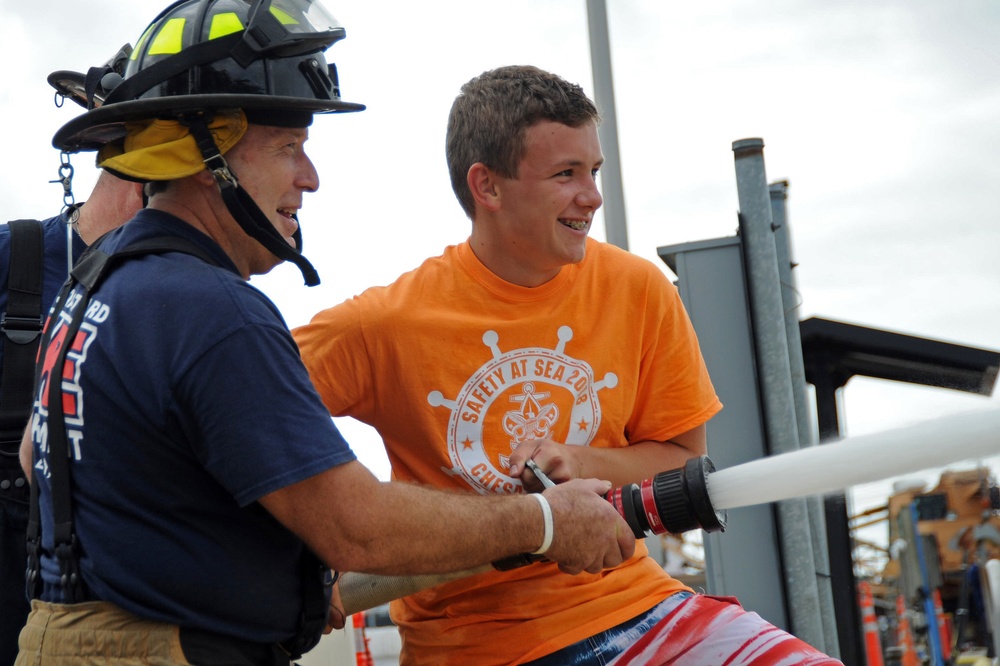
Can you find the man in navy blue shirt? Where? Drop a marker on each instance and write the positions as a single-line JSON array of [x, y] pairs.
[[173, 412]]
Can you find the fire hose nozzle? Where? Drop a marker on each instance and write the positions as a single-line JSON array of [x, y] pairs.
[[672, 502]]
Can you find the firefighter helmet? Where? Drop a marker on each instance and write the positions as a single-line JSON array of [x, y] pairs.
[[264, 56]]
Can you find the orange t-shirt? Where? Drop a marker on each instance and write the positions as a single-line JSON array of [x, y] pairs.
[[455, 367]]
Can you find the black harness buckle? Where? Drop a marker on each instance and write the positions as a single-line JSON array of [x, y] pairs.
[[33, 574], [68, 554], [20, 330]]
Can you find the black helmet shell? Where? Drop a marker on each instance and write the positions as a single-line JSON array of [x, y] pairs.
[[207, 55]]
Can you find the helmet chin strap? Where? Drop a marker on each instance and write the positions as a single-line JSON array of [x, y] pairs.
[[242, 206]]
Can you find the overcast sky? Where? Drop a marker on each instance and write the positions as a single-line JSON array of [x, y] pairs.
[[883, 115]]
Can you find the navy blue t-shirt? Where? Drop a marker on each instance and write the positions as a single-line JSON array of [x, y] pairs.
[[186, 401]]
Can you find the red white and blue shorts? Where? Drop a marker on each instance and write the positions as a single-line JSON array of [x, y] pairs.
[[691, 630]]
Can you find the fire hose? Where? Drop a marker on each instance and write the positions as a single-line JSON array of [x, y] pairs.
[[696, 495], [671, 502]]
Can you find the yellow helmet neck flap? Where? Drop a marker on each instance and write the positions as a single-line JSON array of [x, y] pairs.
[[242, 206]]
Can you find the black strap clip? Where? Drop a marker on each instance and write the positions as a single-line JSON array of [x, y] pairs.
[[33, 574], [20, 330], [69, 570], [211, 156]]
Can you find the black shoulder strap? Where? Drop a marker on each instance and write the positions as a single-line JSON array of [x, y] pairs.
[[88, 272], [20, 326]]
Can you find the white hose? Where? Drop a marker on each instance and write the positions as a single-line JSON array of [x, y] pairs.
[[826, 468]]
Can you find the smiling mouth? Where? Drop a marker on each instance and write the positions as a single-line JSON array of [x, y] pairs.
[[578, 225], [291, 215]]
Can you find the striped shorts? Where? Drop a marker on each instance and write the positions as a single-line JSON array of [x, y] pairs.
[[691, 630]]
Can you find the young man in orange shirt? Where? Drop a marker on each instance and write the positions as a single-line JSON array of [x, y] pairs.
[[530, 340]]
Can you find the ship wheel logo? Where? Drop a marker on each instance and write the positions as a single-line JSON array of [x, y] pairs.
[[533, 420], [524, 394]]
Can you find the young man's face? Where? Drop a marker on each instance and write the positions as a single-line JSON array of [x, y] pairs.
[[272, 166], [546, 212]]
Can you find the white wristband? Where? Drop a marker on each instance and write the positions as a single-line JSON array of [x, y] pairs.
[[549, 527]]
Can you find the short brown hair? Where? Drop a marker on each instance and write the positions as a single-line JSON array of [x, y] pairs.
[[491, 114]]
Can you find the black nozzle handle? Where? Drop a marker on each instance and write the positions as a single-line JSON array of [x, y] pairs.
[[517, 561], [682, 499], [674, 501]]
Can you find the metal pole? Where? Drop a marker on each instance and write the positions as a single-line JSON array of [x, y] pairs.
[[933, 635], [615, 226], [790, 301], [774, 376], [993, 585], [840, 550]]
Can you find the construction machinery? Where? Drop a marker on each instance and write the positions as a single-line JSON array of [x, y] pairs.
[[934, 583]]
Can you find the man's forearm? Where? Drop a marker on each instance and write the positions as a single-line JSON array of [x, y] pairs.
[[414, 530], [355, 522]]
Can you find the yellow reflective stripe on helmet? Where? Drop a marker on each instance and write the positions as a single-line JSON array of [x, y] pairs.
[[283, 17], [225, 23], [170, 39], [142, 40]]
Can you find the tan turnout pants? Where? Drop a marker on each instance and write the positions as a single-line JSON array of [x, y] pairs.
[[95, 632]]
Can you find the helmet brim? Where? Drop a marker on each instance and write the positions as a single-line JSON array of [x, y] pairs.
[[100, 126], [71, 85]]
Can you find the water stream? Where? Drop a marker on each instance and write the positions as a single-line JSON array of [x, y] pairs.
[[833, 467]]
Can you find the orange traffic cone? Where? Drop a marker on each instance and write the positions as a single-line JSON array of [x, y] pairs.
[[873, 645], [908, 656], [944, 629], [362, 653]]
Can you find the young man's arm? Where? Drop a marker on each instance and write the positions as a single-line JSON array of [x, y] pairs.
[[621, 466]]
